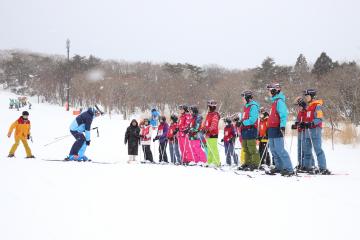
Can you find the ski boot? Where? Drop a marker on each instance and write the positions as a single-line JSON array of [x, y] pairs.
[[32, 156], [324, 172], [272, 171], [11, 155], [287, 173]]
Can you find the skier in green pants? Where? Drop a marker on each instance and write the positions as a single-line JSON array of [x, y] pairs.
[[211, 129]]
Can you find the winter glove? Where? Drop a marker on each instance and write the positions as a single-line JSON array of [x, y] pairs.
[[28, 136], [222, 140], [141, 136], [309, 125], [302, 125], [282, 129], [294, 126], [88, 143], [239, 123]]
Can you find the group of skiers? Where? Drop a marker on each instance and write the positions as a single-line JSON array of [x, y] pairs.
[[193, 141]]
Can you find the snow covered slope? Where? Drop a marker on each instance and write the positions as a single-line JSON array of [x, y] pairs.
[[44, 200]]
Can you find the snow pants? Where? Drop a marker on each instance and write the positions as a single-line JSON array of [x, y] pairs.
[[281, 157], [251, 154], [199, 154], [313, 140], [174, 152], [264, 153], [213, 152], [147, 153], [301, 151], [162, 152], [230, 153], [24, 142], [185, 149]]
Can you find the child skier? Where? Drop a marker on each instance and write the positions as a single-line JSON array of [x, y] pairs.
[[154, 118], [173, 141], [145, 137], [132, 138], [22, 133], [81, 125], [162, 137], [229, 142], [263, 138], [183, 137], [199, 156], [313, 130], [211, 131]]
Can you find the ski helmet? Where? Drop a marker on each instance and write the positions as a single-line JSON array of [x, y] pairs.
[[184, 107], [211, 103], [25, 113], [153, 110], [247, 94], [194, 109], [227, 120], [162, 119], [274, 88], [174, 118], [98, 109], [310, 92]]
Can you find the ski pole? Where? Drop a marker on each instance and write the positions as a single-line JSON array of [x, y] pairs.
[[265, 151], [55, 141]]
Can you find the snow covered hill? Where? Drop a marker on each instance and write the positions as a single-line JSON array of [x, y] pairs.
[[43, 200]]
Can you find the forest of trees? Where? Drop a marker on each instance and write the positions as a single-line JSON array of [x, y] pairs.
[[126, 87]]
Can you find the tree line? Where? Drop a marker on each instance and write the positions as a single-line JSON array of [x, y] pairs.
[[125, 87]]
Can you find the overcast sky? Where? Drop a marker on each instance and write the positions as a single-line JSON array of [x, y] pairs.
[[234, 34]]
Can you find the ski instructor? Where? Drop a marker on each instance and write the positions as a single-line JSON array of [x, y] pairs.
[[81, 124]]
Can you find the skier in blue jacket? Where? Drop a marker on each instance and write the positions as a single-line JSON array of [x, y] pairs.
[[81, 125]]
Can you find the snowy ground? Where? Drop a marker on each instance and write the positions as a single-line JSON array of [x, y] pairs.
[[43, 200]]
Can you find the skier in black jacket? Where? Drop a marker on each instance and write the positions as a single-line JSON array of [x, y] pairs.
[[132, 138]]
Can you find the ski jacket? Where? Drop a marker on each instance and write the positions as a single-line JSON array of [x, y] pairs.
[[154, 118], [22, 128], [314, 113], [249, 120], [278, 116], [162, 132], [146, 135], [211, 127], [82, 123], [300, 118], [229, 133], [171, 134], [184, 123], [195, 126], [263, 127]]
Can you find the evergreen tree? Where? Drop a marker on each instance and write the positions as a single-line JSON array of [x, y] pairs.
[[323, 65]]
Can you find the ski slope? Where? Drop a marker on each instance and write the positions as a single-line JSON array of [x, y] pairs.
[[43, 200]]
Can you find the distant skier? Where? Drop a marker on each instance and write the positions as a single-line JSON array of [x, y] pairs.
[[173, 141], [154, 118], [183, 134], [195, 137], [22, 133], [229, 143], [145, 137], [81, 125], [163, 141], [132, 139], [211, 130]]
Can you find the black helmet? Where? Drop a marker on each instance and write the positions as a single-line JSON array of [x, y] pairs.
[[310, 92], [174, 118], [274, 88], [184, 107], [162, 119], [227, 120], [25, 113], [247, 94], [194, 109]]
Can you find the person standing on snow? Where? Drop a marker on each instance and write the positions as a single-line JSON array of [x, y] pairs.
[[249, 133], [81, 125], [145, 137], [263, 138], [162, 137], [301, 115], [132, 138], [173, 141], [276, 131], [313, 130], [211, 131], [183, 136], [22, 133], [154, 118], [199, 156], [229, 142]]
